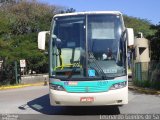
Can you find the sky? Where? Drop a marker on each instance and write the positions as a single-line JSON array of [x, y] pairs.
[[144, 9]]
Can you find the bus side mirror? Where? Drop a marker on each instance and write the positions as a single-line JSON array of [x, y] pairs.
[[130, 36], [42, 39]]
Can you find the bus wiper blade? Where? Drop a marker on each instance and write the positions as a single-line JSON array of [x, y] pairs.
[[100, 70]]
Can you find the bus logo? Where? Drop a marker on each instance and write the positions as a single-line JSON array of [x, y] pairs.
[[72, 83]]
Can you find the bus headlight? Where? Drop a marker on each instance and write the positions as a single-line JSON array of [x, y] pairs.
[[118, 85], [57, 87]]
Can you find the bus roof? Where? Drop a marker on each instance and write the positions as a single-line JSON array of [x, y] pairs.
[[89, 12]]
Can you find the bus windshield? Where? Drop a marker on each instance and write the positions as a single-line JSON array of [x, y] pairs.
[[88, 46]]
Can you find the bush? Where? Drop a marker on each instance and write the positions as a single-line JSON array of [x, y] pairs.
[[147, 84], [142, 83]]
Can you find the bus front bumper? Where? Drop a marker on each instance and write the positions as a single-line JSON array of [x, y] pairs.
[[111, 97]]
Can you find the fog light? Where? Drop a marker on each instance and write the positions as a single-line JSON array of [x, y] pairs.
[[57, 102], [119, 101]]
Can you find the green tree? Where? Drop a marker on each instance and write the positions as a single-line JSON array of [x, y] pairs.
[[139, 25], [68, 10], [20, 23], [155, 43]]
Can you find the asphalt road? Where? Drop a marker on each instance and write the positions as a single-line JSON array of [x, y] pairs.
[[33, 103]]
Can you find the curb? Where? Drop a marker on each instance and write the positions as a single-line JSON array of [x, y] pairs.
[[21, 86], [144, 90]]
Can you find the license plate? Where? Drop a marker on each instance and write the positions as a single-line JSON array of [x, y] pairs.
[[86, 99]]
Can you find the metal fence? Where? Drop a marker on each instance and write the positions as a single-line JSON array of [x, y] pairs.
[[147, 73]]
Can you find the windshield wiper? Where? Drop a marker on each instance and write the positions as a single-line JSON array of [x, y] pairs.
[[100, 70]]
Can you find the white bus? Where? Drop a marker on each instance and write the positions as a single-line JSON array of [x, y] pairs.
[[88, 58]]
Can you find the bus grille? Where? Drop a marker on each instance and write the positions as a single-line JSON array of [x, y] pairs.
[[84, 89]]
